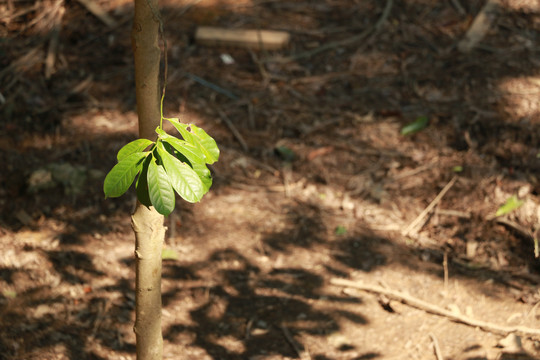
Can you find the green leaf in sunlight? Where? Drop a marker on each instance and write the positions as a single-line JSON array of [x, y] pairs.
[[119, 179], [204, 174], [457, 169], [133, 147], [199, 138], [191, 152], [160, 189], [414, 127], [182, 177], [340, 230], [510, 205]]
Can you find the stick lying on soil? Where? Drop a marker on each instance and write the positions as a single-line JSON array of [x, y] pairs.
[[479, 28], [413, 225], [434, 309], [232, 128], [304, 355]]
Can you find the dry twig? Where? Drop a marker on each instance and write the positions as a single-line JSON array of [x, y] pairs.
[[232, 128], [460, 9], [455, 213], [344, 42], [304, 355], [434, 309], [50, 58], [436, 347], [414, 171], [212, 86], [445, 268], [416, 222], [513, 225]]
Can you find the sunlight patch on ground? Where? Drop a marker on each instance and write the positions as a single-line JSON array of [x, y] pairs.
[[520, 97], [231, 343], [104, 122], [521, 5]]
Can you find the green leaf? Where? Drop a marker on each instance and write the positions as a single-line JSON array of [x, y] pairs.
[[414, 127], [182, 177], [119, 179], [285, 153], [457, 169], [191, 152], [204, 174], [142, 184], [133, 147], [169, 254], [160, 189], [198, 137], [510, 205], [340, 230]]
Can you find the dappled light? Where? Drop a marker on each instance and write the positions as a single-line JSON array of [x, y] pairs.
[[391, 144]]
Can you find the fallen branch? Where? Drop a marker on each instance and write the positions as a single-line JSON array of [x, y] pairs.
[[412, 226], [436, 310]]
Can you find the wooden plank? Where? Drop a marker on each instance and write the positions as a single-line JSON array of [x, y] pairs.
[[253, 39]]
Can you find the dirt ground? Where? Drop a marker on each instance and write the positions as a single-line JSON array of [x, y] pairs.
[[315, 184]]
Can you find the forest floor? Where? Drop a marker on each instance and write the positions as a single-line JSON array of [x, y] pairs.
[[327, 233]]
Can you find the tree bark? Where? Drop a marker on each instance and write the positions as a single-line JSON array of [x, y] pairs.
[[147, 223], [149, 234]]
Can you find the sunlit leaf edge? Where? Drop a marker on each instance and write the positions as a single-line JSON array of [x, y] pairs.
[[121, 176], [199, 138], [133, 147]]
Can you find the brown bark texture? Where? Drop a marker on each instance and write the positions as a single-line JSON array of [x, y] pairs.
[[147, 223]]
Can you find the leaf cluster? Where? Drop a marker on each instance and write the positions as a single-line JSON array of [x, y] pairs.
[[165, 166]]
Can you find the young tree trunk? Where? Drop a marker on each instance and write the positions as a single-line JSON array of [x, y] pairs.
[[147, 223]]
